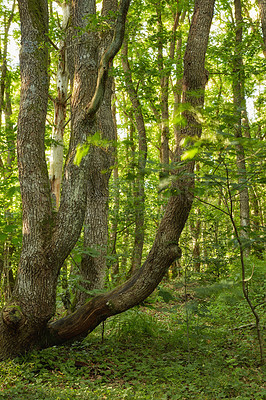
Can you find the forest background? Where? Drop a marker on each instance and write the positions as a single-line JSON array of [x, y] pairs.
[[210, 302]]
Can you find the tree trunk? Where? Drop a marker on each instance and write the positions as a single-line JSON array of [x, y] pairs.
[[165, 248], [48, 238], [177, 87], [93, 264], [114, 263], [60, 104], [239, 103], [195, 230], [164, 87], [262, 7], [48, 241]]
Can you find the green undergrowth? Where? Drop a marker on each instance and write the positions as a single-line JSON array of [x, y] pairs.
[[202, 346]]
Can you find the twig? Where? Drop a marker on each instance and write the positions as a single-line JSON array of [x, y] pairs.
[[251, 326]]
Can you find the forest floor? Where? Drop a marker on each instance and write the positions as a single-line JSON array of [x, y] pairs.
[[197, 343]]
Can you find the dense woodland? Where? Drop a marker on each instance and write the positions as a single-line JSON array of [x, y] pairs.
[[132, 186]]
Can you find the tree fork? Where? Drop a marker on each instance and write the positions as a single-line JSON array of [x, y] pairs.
[[37, 279]]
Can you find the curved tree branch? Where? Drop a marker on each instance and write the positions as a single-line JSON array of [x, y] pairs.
[[165, 248], [24, 327], [107, 59]]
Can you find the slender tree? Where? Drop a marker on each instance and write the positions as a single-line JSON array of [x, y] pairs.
[[239, 105], [60, 105], [139, 191]]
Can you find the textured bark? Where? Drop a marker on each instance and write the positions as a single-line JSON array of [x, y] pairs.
[[139, 191], [239, 103], [34, 293], [60, 103], [93, 264], [48, 238], [262, 7], [24, 320], [165, 248]]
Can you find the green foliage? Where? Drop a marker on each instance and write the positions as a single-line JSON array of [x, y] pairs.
[[145, 355], [177, 345], [95, 140]]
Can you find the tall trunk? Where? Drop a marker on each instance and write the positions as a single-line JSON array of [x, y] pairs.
[[165, 73], [24, 322], [262, 7], [139, 194], [34, 293], [165, 248], [48, 238], [239, 103], [60, 103], [177, 87], [93, 264], [114, 264], [164, 88]]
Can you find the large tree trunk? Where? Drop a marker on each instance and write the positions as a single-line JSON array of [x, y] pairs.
[[48, 238], [165, 248], [34, 293], [93, 264], [46, 242]]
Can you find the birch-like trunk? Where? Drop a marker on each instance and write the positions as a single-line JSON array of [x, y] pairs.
[[60, 104]]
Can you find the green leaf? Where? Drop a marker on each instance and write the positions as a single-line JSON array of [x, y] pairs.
[[82, 151], [189, 154]]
